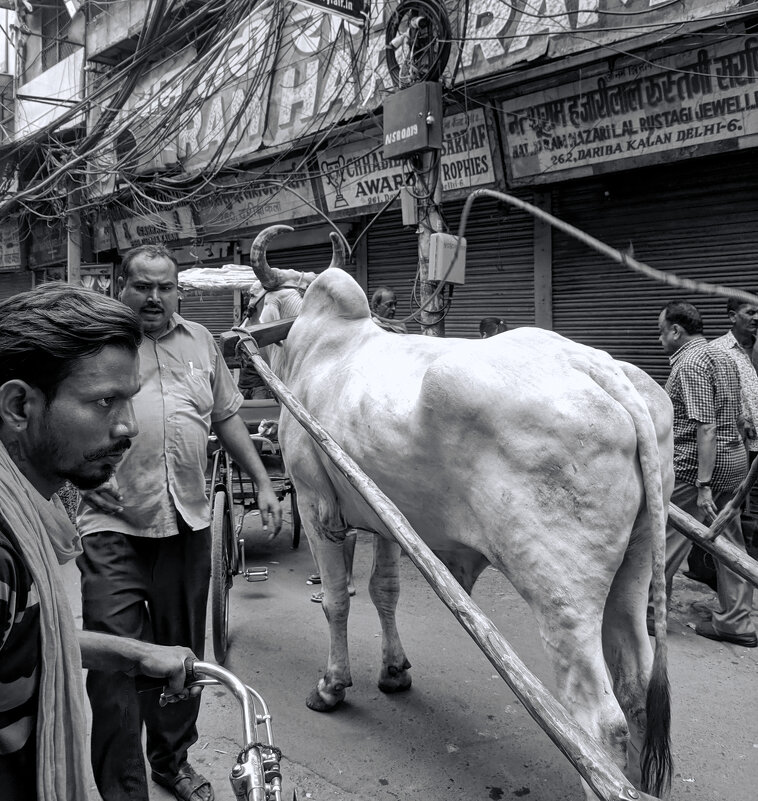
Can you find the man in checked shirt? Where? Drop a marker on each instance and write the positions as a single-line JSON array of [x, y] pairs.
[[709, 458]]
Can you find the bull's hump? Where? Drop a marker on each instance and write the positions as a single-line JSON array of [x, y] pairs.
[[334, 293]]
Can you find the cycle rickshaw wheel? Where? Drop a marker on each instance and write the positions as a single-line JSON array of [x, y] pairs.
[[296, 522], [222, 574]]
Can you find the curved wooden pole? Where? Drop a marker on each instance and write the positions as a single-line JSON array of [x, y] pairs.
[[730, 555], [583, 751]]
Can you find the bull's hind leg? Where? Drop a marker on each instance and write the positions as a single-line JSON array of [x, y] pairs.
[[568, 604], [626, 645], [384, 589]]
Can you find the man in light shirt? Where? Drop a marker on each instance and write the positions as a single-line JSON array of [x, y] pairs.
[[146, 562]]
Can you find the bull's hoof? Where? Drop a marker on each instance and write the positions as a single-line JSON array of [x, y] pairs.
[[394, 680], [318, 703]]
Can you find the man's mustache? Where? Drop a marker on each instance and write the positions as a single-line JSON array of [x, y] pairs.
[[115, 450]]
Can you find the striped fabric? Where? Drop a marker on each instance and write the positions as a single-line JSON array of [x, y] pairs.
[[19, 674]]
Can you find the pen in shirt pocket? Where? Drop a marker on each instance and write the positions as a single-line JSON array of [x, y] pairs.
[[192, 369]]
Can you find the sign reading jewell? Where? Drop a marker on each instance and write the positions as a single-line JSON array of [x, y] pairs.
[[699, 99]]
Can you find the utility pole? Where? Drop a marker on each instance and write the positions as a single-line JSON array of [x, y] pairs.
[[429, 222], [74, 238]]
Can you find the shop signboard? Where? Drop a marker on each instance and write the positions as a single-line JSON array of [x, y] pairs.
[[151, 228], [292, 72], [354, 10], [10, 247], [642, 112], [48, 242], [254, 199], [357, 175]]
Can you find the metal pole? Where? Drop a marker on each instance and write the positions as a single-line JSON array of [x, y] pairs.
[[430, 190], [74, 238]]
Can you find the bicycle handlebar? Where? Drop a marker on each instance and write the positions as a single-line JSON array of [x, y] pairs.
[[257, 771]]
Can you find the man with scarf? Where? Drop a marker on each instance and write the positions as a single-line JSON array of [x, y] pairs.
[[68, 371]]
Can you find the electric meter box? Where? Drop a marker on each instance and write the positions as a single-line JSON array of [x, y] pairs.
[[413, 120], [441, 252]]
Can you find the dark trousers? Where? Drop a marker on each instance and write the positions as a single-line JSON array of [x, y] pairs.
[[154, 590]]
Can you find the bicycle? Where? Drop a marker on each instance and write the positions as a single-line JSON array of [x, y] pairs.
[[227, 490], [256, 775]]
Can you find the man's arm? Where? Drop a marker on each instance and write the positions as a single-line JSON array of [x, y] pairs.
[[234, 437], [706, 463], [113, 654]]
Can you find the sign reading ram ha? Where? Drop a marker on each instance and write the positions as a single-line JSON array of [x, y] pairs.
[[703, 98], [292, 71], [357, 175], [260, 198]]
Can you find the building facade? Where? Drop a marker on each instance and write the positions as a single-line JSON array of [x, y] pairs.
[[635, 121]]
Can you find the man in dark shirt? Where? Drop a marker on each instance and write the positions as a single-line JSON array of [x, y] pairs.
[[68, 371], [709, 458]]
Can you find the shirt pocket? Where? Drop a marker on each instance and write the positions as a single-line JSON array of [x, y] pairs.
[[191, 389]]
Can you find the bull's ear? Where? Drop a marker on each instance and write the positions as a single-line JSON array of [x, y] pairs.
[[270, 277], [338, 250]]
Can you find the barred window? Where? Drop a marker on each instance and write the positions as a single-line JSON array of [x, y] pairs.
[[55, 23]]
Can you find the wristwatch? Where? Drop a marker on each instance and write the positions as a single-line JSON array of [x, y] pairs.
[[700, 484]]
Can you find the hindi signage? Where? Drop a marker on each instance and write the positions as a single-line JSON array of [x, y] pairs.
[[260, 198], [687, 104], [357, 175], [164, 227]]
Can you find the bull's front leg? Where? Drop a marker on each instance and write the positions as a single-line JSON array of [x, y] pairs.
[[328, 551], [384, 589]]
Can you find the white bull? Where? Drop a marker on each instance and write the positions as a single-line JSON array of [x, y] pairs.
[[542, 457]]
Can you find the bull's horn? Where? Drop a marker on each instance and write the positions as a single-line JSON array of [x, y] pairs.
[[338, 250], [267, 275]]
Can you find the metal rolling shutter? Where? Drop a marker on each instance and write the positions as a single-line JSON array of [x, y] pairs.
[[499, 265], [13, 283], [698, 219]]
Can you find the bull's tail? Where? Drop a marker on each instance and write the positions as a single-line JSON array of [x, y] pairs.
[[655, 759]]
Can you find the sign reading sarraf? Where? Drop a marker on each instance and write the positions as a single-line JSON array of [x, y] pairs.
[[162, 227], [355, 176], [685, 104]]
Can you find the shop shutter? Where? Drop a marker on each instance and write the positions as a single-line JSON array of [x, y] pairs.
[[13, 283], [698, 218], [499, 266]]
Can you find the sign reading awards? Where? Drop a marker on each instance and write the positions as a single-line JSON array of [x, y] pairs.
[[691, 103], [356, 175]]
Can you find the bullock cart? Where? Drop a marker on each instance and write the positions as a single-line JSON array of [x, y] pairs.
[[335, 299], [232, 494]]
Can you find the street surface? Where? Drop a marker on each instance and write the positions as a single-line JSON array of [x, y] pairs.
[[459, 733]]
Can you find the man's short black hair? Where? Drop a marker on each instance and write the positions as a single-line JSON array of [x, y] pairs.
[[152, 252], [685, 315], [45, 331]]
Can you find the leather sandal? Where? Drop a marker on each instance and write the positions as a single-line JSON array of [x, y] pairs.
[[186, 785]]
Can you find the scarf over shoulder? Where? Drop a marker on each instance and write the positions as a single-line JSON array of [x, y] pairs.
[[46, 538]]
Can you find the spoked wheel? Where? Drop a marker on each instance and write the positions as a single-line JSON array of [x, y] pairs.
[[296, 522], [222, 573]]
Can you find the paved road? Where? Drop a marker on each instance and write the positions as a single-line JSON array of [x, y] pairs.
[[459, 733]]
